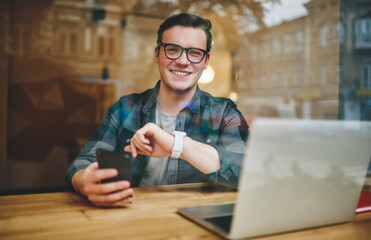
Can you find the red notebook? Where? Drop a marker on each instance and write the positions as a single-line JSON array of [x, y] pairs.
[[364, 203]]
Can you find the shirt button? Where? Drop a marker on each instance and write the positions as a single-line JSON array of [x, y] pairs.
[[208, 140], [127, 140]]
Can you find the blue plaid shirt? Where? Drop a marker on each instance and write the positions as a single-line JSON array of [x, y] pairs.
[[207, 119]]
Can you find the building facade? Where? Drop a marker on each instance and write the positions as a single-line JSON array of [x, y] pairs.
[[292, 69], [355, 60]]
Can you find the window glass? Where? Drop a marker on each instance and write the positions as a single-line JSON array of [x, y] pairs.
[[66, 64], [286, 43], [323, 36]]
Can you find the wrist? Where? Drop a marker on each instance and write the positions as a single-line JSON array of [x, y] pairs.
[[76, 181]]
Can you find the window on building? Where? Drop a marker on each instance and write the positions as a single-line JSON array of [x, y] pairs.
[[262, 50], [262, 81], [299, 75], [363, 25], [87, 39], [67, 43], [73, 43], [323, 36], [285, 78], [274, 79], [62, 43], [111, 46], [275, 46], [252, 50], [358, 26], [299, 41], [362, 32], [340, 73], [101, 46], [286, 43], [324, 75], [366, 75], [340, 32]]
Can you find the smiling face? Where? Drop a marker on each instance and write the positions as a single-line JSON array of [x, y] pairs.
[[180, 75]]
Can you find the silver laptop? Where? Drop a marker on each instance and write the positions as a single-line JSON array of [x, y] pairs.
[[296, 174]]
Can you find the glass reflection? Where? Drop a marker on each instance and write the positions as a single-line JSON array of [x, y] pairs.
[[294, 59]]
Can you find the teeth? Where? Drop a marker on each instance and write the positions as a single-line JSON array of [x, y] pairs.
[[180, 73]]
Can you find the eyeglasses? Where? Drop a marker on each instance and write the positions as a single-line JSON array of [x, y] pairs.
[[173, 52]]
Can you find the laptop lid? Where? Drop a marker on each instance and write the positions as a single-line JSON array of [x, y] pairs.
[[296, 174], [300, 174]]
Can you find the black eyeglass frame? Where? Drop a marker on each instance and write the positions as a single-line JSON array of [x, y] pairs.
[[205, 52]]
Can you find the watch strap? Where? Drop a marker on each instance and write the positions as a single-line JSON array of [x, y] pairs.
[[178, 143]]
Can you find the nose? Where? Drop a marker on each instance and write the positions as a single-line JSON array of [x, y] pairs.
[[183, 58]]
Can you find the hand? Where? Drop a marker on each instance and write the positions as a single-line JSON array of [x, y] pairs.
[[113, 194], [152, 141]]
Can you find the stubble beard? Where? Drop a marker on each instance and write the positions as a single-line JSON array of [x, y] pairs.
[[180, 92]]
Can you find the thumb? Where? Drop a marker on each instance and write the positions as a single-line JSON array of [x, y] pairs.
[[93, 166], [127, 149]]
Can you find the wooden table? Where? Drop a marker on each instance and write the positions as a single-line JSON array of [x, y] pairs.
[[153, 215]]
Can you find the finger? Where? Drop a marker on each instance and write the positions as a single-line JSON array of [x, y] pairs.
[[123, 202], [111, 199], [133, 149], [127, 148], [141, 138], [110, 187], [140, 146], [148, 153], [145, 153], [93, 166], [102, 174], [147, 150]]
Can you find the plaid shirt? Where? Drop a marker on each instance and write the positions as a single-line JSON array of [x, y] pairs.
[[207, 119]]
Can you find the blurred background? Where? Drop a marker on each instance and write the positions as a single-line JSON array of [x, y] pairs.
[[63, 63]]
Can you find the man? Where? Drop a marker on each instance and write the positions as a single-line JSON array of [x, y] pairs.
[[210, 135]]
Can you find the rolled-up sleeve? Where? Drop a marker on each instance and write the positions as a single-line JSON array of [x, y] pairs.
[[231, 146], [104, 137]]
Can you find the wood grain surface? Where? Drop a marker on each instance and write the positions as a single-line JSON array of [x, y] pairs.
[[153, 215]]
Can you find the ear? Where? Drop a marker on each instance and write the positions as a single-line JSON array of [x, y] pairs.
[[156, 53], [207, 58]]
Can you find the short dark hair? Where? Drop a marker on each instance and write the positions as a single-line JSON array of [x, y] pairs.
[[187, 20]]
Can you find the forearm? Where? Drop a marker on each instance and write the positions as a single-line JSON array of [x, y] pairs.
[[76, 180], [202, 156]]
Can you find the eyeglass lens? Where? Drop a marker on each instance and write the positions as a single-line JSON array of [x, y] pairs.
[[173, 52]]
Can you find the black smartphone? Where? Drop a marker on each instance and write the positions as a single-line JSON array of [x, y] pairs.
[[111, 159]]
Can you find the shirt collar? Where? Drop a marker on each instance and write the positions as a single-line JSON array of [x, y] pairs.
[[194, 105], [150, 101]]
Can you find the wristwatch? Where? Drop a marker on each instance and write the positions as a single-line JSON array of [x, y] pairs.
[[178, 143]]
